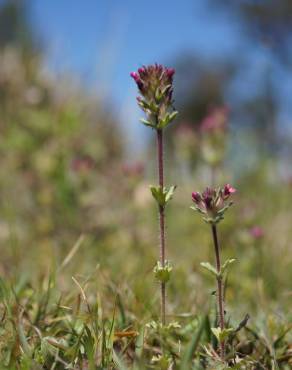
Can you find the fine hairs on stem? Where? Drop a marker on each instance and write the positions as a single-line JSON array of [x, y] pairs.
[[161, 221], [220, 289]]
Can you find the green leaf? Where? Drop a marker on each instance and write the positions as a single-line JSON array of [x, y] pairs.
[[158, 195], [226, 265], [193, 345], [170, 193], [140, 343], [221, 335], [162, 195], [207, 266]]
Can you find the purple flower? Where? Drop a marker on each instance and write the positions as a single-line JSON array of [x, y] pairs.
[[153, 81], [170, 72], [135, 76], [212, 202], [228, 190], [196, 197], [137, 79], [209, 197]]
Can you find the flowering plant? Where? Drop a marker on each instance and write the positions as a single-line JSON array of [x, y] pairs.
[[213, 203], [155, 85]]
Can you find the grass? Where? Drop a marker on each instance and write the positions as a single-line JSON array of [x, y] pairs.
[[90, 308], [79, 242]]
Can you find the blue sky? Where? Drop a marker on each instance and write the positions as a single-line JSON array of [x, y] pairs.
[[102, 41], [107, 39]]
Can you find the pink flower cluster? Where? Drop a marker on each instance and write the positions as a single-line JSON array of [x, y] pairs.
[[154, 82], [212, 202]]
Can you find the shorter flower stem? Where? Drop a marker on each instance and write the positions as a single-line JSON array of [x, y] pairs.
[[220, 300]]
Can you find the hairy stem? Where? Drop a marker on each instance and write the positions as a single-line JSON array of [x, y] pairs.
[[161, 219], [220, 299]]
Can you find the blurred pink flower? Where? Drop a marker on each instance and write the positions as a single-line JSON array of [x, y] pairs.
[[185, 128], [82, 164], [133, 169], [216, 120], [256, 232]]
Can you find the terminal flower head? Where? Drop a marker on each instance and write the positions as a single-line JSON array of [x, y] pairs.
[[153, 79], [213, 203], [155, 85]]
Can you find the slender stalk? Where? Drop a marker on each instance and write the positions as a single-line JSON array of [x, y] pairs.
[[220, 299], [161, 220]]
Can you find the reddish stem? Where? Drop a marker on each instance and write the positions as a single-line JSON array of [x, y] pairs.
[[220, 299], [161, 219]]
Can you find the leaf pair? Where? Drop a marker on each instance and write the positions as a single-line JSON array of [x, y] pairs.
[[162, 273], [162, 195], [219, 274], [222, 335]]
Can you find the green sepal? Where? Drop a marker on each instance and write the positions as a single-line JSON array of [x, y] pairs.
[[148, 107], [147, 123], [207, 266], [159, 94], [162, 273], [219, 216], [197, 209], [222, 335], [162, 195], [169, 117], [165, 90], [224, 209]]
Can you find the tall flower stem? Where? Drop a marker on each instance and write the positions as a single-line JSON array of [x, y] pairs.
[[155, 85], [161, 220], [220, 299]]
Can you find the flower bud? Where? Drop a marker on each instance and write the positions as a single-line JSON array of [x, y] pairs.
[[196, 197], [228, 190]]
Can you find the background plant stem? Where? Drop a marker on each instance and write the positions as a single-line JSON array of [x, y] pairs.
[[220, 300], [161, 219]]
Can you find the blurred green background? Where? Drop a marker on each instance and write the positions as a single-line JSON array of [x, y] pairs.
[[75, 161]]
